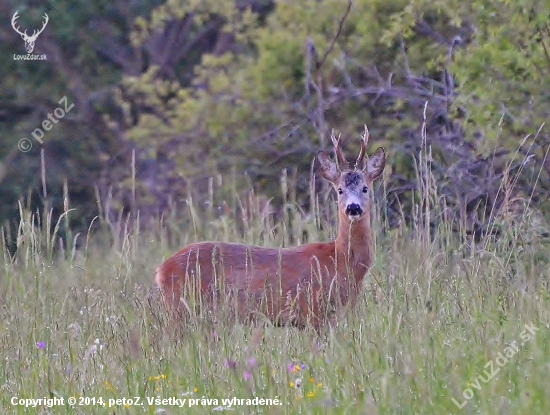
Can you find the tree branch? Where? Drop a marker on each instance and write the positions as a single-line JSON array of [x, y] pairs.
[[331, 46]]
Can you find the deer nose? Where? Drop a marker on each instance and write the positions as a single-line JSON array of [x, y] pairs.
[[354, 209]]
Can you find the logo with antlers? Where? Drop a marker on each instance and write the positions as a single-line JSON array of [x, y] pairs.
[[29, 40]]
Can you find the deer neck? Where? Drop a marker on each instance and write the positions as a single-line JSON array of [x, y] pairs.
[[354, 245]]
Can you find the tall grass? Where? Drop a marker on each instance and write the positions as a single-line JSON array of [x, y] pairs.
[[80, 318]]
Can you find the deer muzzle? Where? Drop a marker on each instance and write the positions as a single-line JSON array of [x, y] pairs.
[[353, 210]]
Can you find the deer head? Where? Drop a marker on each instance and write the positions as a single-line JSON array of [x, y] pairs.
[[29, 40], [352, 185]]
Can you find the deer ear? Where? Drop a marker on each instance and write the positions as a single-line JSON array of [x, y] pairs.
[[375, 165], [327, 168]]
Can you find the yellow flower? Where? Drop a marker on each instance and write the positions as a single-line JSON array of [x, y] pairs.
[[163, 376], [319, 385], [195, 390], [291, 384], [311, 380], [311, 394]]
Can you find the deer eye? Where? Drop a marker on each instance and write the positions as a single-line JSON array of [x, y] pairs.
[[340, 191], [365, 189]]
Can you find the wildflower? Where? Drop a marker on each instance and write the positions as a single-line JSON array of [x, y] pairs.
[[195, 390], [311, 394], [94, 348], [293, 368], [251, 362], [319, 385], [230, 364], [75, 330], [311, 380], [41, 345], [247, 375]]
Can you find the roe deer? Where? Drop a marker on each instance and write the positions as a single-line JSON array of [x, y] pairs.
[[296, 286]]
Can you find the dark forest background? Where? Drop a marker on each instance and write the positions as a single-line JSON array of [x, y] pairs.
[[170, 94]]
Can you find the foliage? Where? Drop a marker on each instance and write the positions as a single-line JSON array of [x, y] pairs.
[[510, 52], [172, 94], [271, 102], [80, 150]]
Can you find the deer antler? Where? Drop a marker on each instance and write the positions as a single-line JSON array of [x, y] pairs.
[[34, 32], [340, 158], [362, 152], [13, 21], [46, 20]]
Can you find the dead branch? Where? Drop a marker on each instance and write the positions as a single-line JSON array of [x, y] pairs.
[[333, 41]]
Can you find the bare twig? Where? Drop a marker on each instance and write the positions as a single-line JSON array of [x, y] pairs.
[[423, 28], [448, 81], [311, 56], [546, 53], [331, 46], [320, 119]]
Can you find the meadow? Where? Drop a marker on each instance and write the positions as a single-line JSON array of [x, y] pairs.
[[447, 323]]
